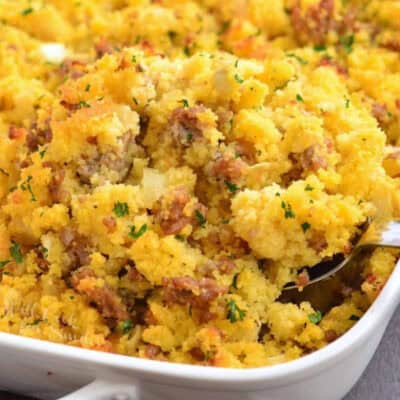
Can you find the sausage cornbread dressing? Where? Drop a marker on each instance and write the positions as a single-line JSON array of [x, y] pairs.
[[168, 166]]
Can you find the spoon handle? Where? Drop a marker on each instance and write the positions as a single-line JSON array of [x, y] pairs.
[[383, 234]]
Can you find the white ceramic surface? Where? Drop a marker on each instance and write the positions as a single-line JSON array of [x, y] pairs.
[[49, 371]]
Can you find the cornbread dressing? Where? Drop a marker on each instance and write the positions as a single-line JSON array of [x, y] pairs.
[[168, 166]]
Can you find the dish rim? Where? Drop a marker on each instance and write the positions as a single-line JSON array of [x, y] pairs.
[[270, 376]]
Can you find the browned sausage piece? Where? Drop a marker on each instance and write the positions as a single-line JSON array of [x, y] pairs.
[[186, 290], [105, 299]]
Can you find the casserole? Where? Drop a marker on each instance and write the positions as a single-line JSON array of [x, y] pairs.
[[50, 371], [104, 231]]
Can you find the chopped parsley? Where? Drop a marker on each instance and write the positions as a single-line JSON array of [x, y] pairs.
[[234, 281], [190, 136], [305, 226], [180, 238], [4, 172], [26, 186], [319, 47], [231, 186], [15, 251], [27, 11], [238, 79], [300, 60], [287, 208], [347, 103], [121, 209], [135, 100], [308, 188], [186, 51], [84, 104], [315, 318], [87, 88], [347, 42], [133, 59], [4, 263], [45, 251], [42, 153], [299, 98], [126, 326], [185, 103], [354, 318], [200, 217], [236, 63], [234, 312], [134, 235]]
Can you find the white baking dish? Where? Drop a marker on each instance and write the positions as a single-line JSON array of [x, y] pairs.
[[50, 371]]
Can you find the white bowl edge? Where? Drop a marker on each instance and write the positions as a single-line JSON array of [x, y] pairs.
[[379, 313]]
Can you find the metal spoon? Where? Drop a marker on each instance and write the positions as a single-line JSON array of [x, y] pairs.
[[377, 234]]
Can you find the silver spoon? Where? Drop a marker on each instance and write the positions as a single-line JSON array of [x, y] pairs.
[[377, 234]]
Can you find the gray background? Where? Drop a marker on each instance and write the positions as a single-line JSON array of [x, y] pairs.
[[381, 380]]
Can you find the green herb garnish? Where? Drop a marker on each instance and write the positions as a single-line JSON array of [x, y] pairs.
[[200, 217], [42, 153], [305, 226], [26, 186], [315, 318], [121, 209], [308, 188], [238, 79], [288, 210], [234, 281], [126, 326], [27, 11], [15, 251], [84, 104], [234, 312], [299, 98], [4, 263], [185, 103], [354, 318], [319, 47], [231, 186], [87, 88], [347, 42], [134, 235]]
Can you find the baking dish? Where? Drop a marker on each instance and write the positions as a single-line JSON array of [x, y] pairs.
[[50, 371]]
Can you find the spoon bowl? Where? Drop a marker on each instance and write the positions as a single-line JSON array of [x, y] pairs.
[[377, 234]]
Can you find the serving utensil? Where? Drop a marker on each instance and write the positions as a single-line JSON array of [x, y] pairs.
[[376, 234]]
